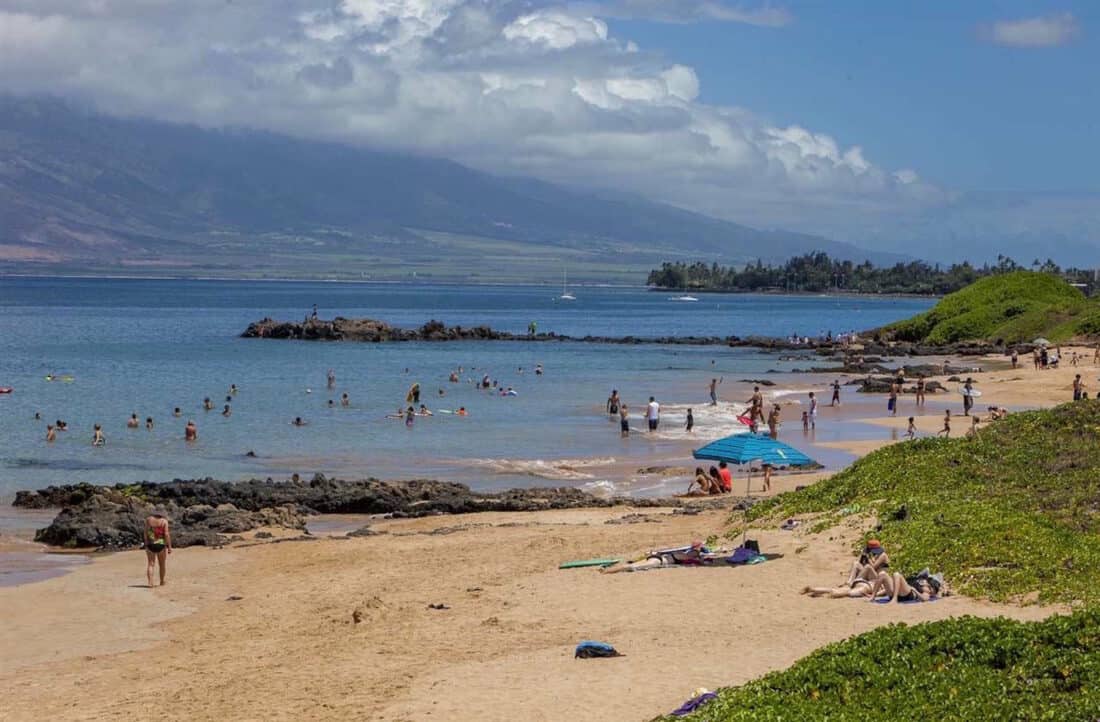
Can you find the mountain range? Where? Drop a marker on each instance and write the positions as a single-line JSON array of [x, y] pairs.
[[82, 191]]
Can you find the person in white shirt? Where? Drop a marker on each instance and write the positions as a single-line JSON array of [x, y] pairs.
[[653, 413]]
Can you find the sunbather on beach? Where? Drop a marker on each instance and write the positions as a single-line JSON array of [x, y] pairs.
[[855, 589], [921, 587], [871, 562], [704, 482], [693, 555]]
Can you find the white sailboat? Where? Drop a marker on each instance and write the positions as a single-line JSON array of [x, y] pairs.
[[565, 294]]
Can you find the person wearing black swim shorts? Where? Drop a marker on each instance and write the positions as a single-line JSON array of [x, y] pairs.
[[158, 545]]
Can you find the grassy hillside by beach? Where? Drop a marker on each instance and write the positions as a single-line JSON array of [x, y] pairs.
[[1006, 308], [1010, 514], [959, 669]]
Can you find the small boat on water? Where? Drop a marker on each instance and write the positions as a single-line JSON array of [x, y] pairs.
[[684, 298], [565, 294]]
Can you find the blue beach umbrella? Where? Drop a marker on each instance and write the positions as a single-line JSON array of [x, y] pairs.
[[743, 448]]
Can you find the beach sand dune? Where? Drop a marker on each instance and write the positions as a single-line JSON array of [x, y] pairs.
[[91, 646]]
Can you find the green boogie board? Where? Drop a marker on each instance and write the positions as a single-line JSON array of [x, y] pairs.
[[588, 563]]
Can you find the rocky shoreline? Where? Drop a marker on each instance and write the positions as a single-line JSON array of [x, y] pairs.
[[366, 330], [208, 512]]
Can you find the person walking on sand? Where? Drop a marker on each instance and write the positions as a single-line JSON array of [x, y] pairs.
[[714, 390], [768, 477], [653, 414], [836, 394], [892, 403], [946, 430], [813, 411], [968, 396], [1015, 359], [624, 422], [773, 422], [158, 545], [920, 390], [690, 422], [190, 432], [613, 402]]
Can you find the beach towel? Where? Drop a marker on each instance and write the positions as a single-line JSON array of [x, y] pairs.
[[693, 704], [887, 600], [588, 563]]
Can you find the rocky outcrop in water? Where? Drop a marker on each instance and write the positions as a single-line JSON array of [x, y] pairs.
[[204, 511]]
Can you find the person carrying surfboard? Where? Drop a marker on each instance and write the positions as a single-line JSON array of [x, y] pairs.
[[968, 396]]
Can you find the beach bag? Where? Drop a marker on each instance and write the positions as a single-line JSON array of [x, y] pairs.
[[589, 649]]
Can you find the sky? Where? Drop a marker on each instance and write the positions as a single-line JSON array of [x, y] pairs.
[[932, 128]]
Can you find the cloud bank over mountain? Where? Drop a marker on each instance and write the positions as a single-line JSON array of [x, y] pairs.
[[507, 86]]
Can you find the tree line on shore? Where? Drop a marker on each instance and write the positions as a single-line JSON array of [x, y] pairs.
[[818, 273]]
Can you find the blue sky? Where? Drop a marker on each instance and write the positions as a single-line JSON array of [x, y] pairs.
[[915, 84]]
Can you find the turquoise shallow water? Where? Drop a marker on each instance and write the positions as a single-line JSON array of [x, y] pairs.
[[146, 346]]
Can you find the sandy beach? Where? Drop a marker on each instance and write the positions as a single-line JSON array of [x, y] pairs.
[[268, 630]]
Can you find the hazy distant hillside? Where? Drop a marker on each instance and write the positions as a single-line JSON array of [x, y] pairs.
[[80, 191]]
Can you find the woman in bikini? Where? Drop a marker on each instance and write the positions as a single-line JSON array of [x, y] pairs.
[[158, 545], [864, 574], [922, 587]]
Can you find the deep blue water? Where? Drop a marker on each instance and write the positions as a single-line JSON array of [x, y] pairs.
[[146, 346]]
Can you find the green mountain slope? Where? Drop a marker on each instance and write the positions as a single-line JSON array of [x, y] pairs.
[[97, 193]]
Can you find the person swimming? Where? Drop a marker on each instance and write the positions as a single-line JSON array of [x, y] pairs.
[[233, 389], [148, 423], [424, 411], [176, 412], [51, 433], [98, 439], [344, 400], [462, 411], [410, 417], [227, 411], [190, 432], [613, 402], [298, 421], [132, 422]]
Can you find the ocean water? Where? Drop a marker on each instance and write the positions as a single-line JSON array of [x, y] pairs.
[[147, 346]]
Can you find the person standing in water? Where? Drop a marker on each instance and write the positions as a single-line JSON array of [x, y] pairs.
[[653, 414], [813, 411], [756, 403], [892, 403], [410, 417], [690, 422], [158, 545], [920, 390], [613, 402], [836, 394], [624, 421], [331, 379], [714, 391], [97, 436], [132, 422], [344, 400], [51, 433], [148, 423], [190, 432]]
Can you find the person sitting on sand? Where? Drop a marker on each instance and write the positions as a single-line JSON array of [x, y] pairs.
[[97, 436], [703, 481], [693, 555], [158, 545], [921, 587], [132, 422], [190, 432]]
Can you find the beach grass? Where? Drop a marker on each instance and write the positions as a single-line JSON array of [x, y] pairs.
[[1009, 515], [956, 669]]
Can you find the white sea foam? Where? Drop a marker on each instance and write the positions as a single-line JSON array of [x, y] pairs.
[[557, 469]]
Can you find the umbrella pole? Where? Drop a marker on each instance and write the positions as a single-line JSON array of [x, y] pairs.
[[748, 492]]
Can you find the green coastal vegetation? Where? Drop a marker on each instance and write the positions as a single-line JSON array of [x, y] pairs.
[[1012, 513], [820, 273], [1009, 515], [956, 669], [1013, 307]]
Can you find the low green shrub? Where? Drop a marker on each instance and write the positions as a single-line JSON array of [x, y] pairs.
[[956, 669], [1012, 511]]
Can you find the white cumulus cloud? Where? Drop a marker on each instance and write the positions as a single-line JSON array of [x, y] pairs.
[[510, 87], [1039, 32]]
